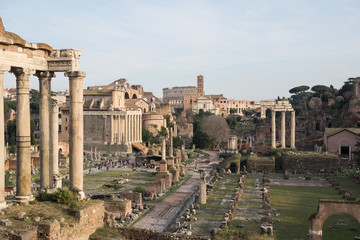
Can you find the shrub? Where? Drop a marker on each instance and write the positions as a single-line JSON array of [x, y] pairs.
[[139, 189], [64, 196]]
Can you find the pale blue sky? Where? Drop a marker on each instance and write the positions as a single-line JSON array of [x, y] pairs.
[[250, 50]]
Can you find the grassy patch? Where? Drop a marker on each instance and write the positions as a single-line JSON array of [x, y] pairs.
[[210, 215], [347, 184], [295, 205], [94, 182]]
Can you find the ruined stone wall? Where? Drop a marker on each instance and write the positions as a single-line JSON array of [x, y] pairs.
[[89, 219], [119, 208], [313, 163], [135, 197]]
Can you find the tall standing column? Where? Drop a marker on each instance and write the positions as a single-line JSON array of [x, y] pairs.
[[3, 68], [111, 129], [76, 137], [23, 140], [45, 103], [54, 144], [283, 130], [140, 127], [119, 130], [273, 129], [293, 125], [126, 129], [171, 149]]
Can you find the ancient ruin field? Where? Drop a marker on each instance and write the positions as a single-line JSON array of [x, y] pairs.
[[294, 205]]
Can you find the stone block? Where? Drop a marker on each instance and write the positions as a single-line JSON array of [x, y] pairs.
[[5, 222]]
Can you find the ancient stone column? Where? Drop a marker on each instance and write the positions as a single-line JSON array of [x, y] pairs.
[[273, 129], [76, 136], [140, 127], [283, 130], [171, 150], [45, 103], [111, 129], [54, 143], [119, 130], [163, 149], [3, 68], [135, 128], [202, 187], [175, 130], [23, 140], [293, 125]]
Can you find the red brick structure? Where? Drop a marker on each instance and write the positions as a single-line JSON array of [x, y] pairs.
[[327, 208]]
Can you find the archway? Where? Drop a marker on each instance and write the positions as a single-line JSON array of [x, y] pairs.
[[127, 95], [340, 226], [134, 96], [328, 208]]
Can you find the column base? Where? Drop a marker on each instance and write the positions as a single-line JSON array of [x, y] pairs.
[[3, 205], [82, 195], [111, 143], [24, 199]]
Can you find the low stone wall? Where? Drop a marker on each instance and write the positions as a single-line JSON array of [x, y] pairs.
[[119, 208], [143, 234], [313, 163], [90, 218], [156, 187]]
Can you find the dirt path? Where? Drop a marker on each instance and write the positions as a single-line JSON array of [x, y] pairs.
[[164, 212]]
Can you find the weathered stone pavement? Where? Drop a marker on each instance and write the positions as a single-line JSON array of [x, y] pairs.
[[164, 212]]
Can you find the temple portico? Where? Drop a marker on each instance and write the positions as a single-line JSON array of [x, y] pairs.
[[24, 59]]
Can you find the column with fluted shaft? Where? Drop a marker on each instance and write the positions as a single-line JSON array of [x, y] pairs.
[[283, 130], [273, 129], [45, 103], [292, 134], [23, 139], [3, 68], [76, 136]]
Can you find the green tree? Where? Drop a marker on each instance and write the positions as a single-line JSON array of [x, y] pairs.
[[146, 135], [163, 131], [231, 121], [34, 101], [8, 105], [232, 110], [300, 94], [177, 142], [201, 139], [320, 90]]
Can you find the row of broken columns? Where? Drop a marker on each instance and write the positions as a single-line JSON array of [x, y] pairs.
[[23, 139]]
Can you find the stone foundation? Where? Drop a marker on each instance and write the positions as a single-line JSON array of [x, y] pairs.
[[89, 219]]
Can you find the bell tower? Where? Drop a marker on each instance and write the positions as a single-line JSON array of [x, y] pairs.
[[200, 85]]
